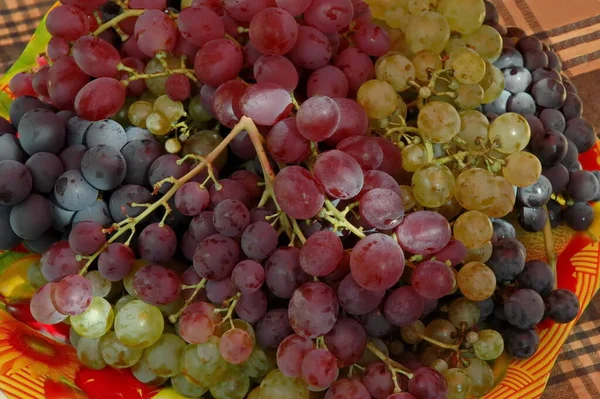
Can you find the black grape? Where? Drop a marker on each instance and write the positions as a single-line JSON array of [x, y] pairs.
[[537, 276], [76, 128], [555, 211], [521, 344], [103, 167], [558, 175], [510, 57], [22, 105], [508, 259], [15, 182], [139, 156], [44, 242], [72, 192], [536, 195], [61, 218], [535, 59], [549, 93], [41, 130], [579, 216], [502, 230], [532, 219], [563, 306], [554, 61], [486, 308], [10, 149], [6, 126], [120, 201], [8, 239], [32, 217], [553, 119], [529, 43], [97, 212], [550, 147], [524, 308], [573, 107], [583, 186], [516, 79], [545, 73], [71, 156], [571, 160], [535, 125], [581, 132], [521, 103], [137, 133], [106, 132], [45, 168]]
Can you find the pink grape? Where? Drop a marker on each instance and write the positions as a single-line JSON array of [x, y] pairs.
[[371, 39], [312, 49], [60, 261], [86, 238], [22, 85], [96, 57], [272, 329], [202, 226], [252, 307], [195, 327], [356, 65], [157, 285], [347, 341], [250, 181], [424, 232], [67, 22], [339, 173], [321, 253], [155, 31], [251, 54], [347, 389], [273, 31], [200, 25], [231, 217], [327, 81], [156, 243], [266, 103], [286, 144], [283, 273], [392, 158], [364, 150], [248, 276], [230, 189], [244, 10], [403, 306], [116, 262], [236, 346], [191, 199], [259, 240], [318, 118], [57, 47], [313, 310], [428, 383], [276, 69], [214, 5], [433, 279], [218, 61], [357, 300], [294, 7], [377, 378], [291, 353], [216, 256], [455, 252], [42, 308], [178, 87], [100, 99], [329, 15], [226, 102], [204, 308], [353, 121], [381, 208], [319, 368], [298, 192], [73, 295], [65, 80], [377, 262], [137, 87]]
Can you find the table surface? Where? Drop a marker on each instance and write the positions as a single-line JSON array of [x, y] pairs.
[[572, 28]]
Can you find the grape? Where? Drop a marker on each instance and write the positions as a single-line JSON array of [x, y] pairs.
[[427, 31], [389, 264], [200, 25], [236, 346], [226, 102], [430, 121], [252, 307], [273, 328], [139, 156], [312, 50], [233, 385], [67, 22], [553, 119], [378, 179], [276, 69], [319, 368], [15, 182], [164, 167], [463, 16], [243, 148], [298, 192], [291, 353], [116, 262], [476, 281], [583, 186], [218, 61], [579, 216], [364, 150], [101, 286], [428, 383], [521, 344], [89, 353], [138, 325], [550, 147], [202, 364], [353, 122], [202, 226], [571, 109], [103, 167], [273, 31], [259, 240], [327, 81], [433, 279], [95, 321], [321, 253], [536, 195], [163, 357], [522, 169], [433, 185], [377, 378], [355, 299], [348, 389], [100, 99], [184, 387], [517, 79], [277, 385], [155, 32], [19, 107], [318, 118], [581, 133], [521, 103], [41, 130], [339, 174], [455, 252], [40, 78], [122, 198], [42, 308], [117, 355], [423, 232], [216, 256], [59, 261], [157, 285], [10, 150], [107, 132], [157, 243], [44, 168], [524, 309], [473, 228], [356, 65], [22, 85], [86, 238], [347, 341], [403, 306], [549, 93], [8, 239], [562, 306], [96, 57], [313, 310], [231, 217], [266, 103]]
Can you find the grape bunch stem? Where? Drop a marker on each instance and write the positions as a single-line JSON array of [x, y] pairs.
[[119, 18], [394, 365]]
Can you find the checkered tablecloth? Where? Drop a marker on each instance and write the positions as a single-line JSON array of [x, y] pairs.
[[571, 28]]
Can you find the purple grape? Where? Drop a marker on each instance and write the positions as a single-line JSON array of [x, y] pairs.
[[86, 238], [115, 263], [516, 79], [549, 93], [507, 260], [216, 256], [579, 216], [428, 383], [403, 306], [537, 276], [532, 219], [563, 306], [524, 308], [273, 328], [536, 195], [553, 119], [521, 344], [259, 240], [510, 57], [157, 243], [550, 147], [252, 307]]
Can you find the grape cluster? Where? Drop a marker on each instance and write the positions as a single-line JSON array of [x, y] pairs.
[[272, 199]]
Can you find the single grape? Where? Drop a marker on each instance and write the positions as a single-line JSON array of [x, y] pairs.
[[236, 346], [524, 309], [378, 98], [216, 256], [95, 321], [476, 281], [138, 325], [318, 118], [433, 279], [562, 306], [319, 368], [298, 192], [42, 307], [521, 344], [423, 232], [218, 61], [312, 50], [266, 103], [403, 306], [31, 218], [349, 389], [327, 81], [377, 262], [291, 353], [339, 174], [273, 31]]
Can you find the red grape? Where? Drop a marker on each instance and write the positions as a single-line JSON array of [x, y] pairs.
[[191, 199], [231, 217], [403, 306], [347, 341], [236, 346], [251, 307], [72, 295], [286, 144], [291, 353], [347, 389], [67, 22], [136, 87], [327, 81], [357, 300], [226, 102], [371, 39], [381, 208], [321, 253], [318, 118], [248, 276], [155, 31], [216, 256], [266, 103], [298, 192], [424, 232], [116, 262], [364, 150], [294, 7], [218, 61], [313, 310], [283, 273], [96, 57], [259, 240], [244, 10], [319, 368], [86, 238], [340, 174], [276, 69], [178, 87], [357, 66], [57, 47], [157, 243], [329, 16], [100, 99], [22, 85], [312, 49], [157, 285], [273, 31], [200, 25], [65, 80], [433, 279], [40, 81], [377, 262]]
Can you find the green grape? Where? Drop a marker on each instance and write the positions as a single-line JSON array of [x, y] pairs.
[[454, 44], [439, 365], [425, 62], [158, 124], [486, 41], [277, 385], [233, 385], [473, 129], [255, 394], [473, 228], [433, 185], [439, 122], [464, 16], [73, 337], [257, 365], [459, 383], [95, 321], [157, 85], [482, 254], [237, 323], [496, 86], [489, 345], [413, 157], [463, 311], [408, 198], [522, 169], [395, 69], [412, 334], [139, 112], [139, 324], [468, 96], [89, 353], [164, 355], [122, 114], [172, 110], [35, 276], [427, 31], [476, 281], [505, 200], [100, 285], [141, 371], [481, 376], [467, 66], [203, 143], [203, 364], [442, 330], [378, 98], [182, 386], [396, 16], [128, 280], [116, 354], [488, 77], [197, 110], [476, 189], [124, 300], [417, 6], [511, 132], [171, 307]]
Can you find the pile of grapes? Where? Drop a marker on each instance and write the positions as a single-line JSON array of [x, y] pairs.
[[284, 199]]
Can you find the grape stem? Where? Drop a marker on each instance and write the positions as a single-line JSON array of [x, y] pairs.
[[135, 75], [437, 343], [231, 303], [397, 367], [338, 219], [549, 245], [119, 18], [173, 318]]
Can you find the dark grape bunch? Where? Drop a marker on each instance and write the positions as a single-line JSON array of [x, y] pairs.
[[259, 199]]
